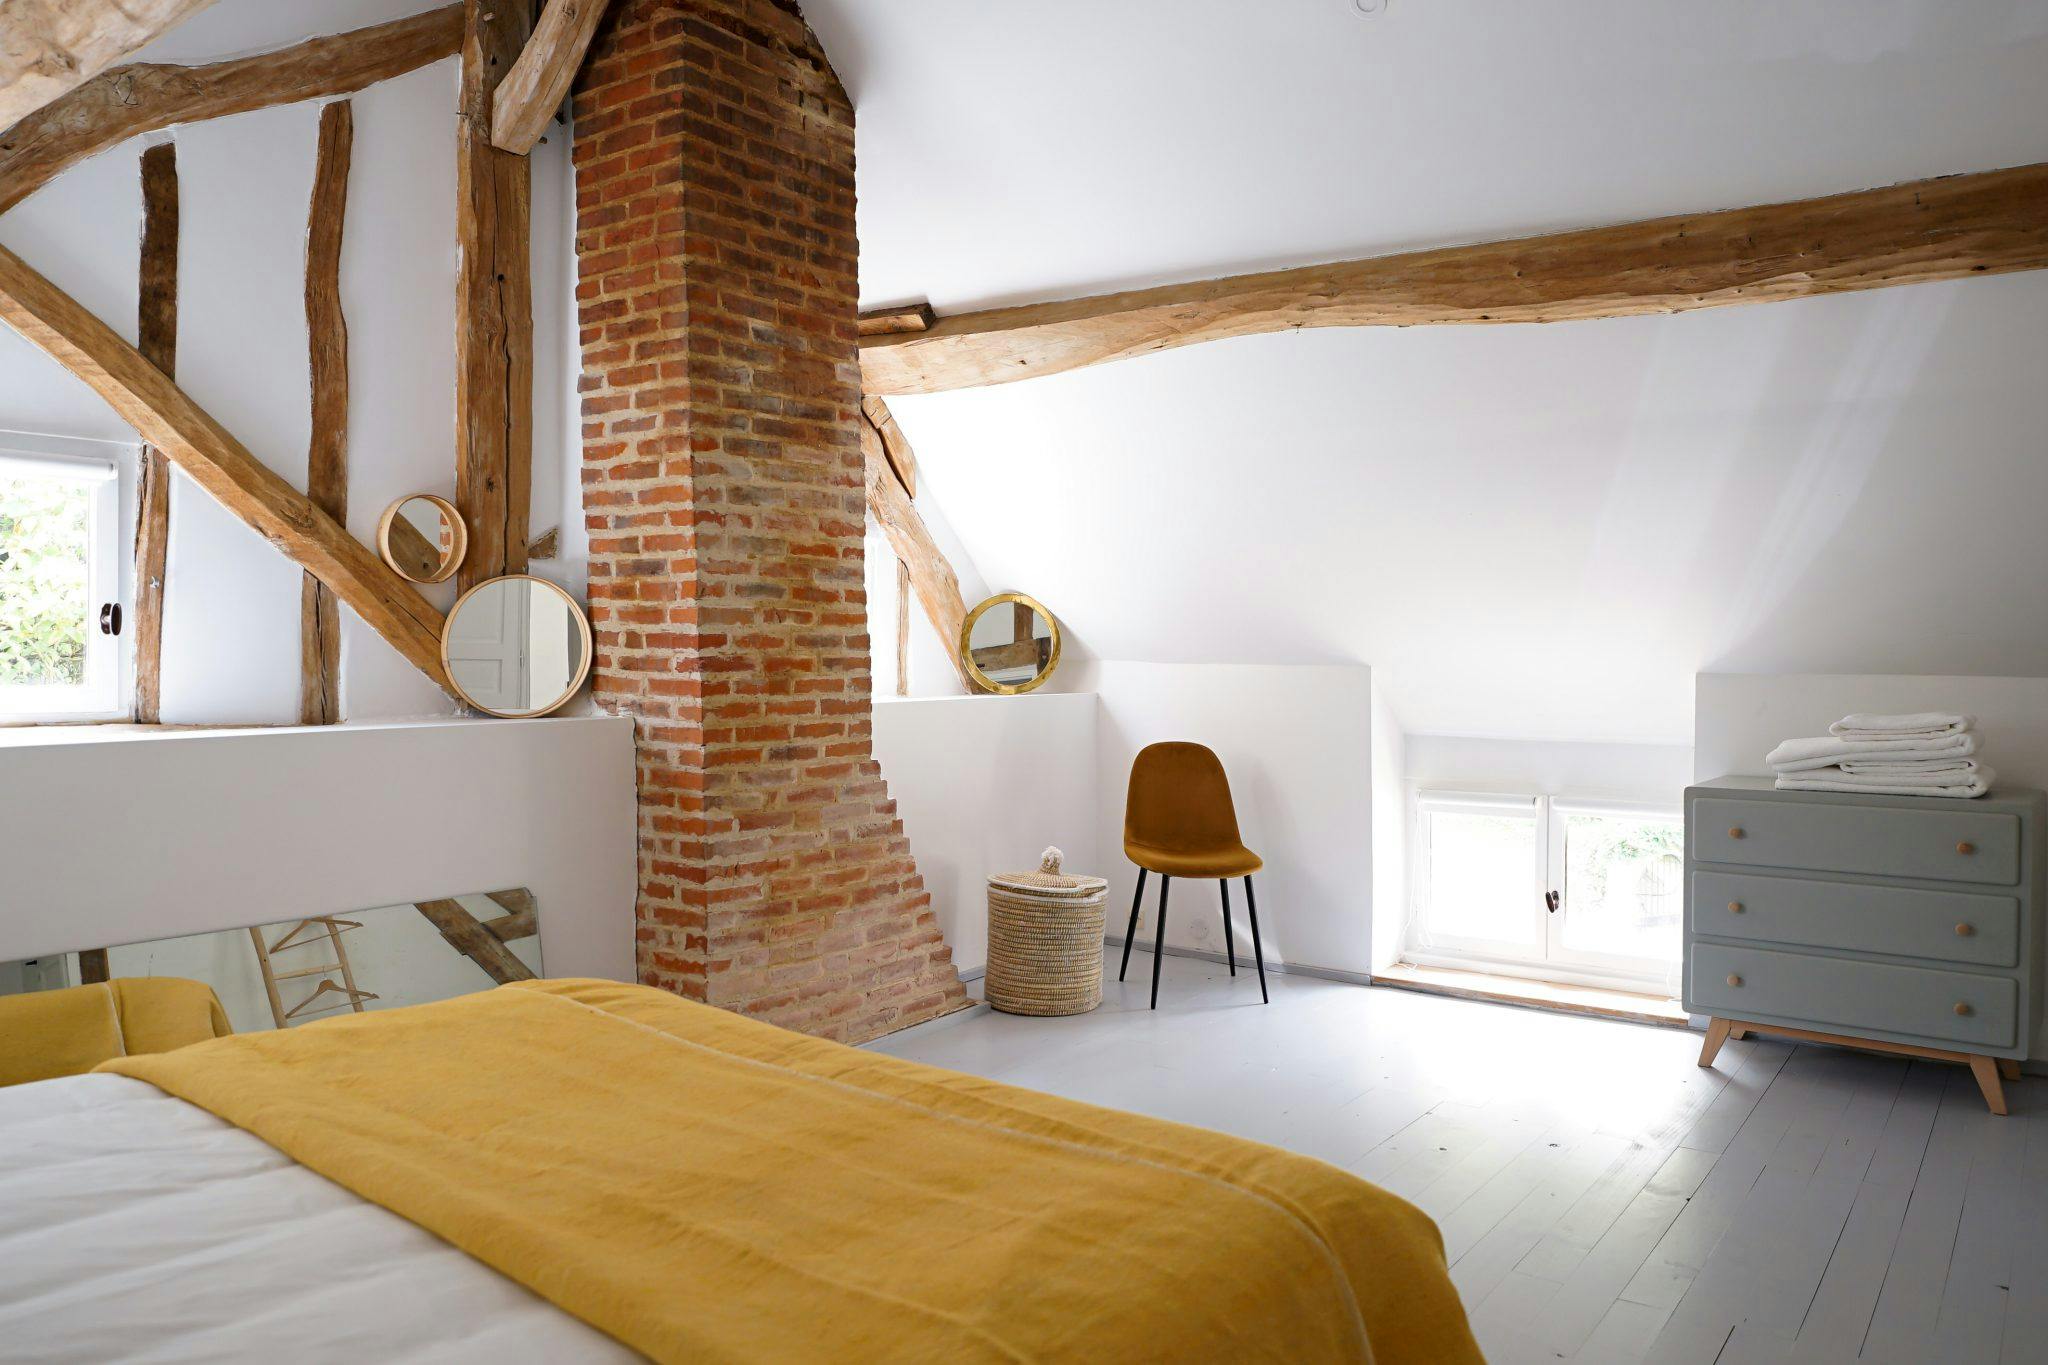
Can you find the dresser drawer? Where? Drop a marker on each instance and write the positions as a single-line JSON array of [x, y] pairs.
[[1879, 841], [1839, 995], [1948, 926]]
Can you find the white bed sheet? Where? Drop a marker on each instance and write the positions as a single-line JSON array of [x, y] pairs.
[[137, 1227]]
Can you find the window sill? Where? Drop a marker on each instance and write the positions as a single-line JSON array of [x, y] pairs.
[[1595, 1001]]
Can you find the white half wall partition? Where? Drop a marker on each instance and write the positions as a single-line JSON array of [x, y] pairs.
[[984, 784], [113, 836]]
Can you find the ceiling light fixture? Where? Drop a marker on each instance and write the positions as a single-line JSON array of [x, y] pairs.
[[1367, 9]]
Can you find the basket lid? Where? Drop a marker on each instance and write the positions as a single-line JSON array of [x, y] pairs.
[[1048, 880]]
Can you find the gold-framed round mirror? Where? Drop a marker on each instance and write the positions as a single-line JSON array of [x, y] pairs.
[[1013, 651], [516, 646], [423, 537]]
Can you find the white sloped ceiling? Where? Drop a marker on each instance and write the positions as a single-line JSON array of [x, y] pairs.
[[1533, 532]]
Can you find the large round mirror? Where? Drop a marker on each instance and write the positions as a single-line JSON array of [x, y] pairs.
[[423, 537], [516, 646], [1010, 644]]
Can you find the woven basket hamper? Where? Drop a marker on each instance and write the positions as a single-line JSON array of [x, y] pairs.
[[1045, 940]]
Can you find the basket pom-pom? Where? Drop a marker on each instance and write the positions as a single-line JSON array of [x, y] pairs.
[[1049, 861]]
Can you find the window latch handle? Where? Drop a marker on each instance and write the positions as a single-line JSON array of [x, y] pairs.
[[110, 618], [1550, 900]]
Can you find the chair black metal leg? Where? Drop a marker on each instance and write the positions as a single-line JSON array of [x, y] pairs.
[[1159, 937], [1131, 931], [1229, 943], [1251, 906]]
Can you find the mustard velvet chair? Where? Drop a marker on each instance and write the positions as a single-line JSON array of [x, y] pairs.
[[46, 1034], [1179, 822]]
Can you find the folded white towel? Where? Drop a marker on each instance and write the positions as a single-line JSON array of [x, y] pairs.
[[1916, 724], [1920, 768], [1827, 750], [1835, 780]]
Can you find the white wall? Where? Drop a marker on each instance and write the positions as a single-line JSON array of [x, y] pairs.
[[1389, 829], [231, 619], [1740, 717], [1297, 745], [984, 784], [1626, 772], [114, 837]]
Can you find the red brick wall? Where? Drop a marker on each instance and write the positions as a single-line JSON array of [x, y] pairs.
[[724, 495]]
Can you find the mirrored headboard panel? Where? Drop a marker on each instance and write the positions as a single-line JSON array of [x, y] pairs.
[[284, 973]]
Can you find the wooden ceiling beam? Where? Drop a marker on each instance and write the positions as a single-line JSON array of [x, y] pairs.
[[49, 47], [1988, 223], [167, 418], [140, 98], [539, 81], [882, 322]]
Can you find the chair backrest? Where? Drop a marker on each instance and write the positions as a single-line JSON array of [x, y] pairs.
[[1179, 798]]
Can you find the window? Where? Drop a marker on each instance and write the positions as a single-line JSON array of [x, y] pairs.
[[60, 571], [1544, 886]]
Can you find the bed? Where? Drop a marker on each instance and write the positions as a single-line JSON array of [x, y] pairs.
[[579, 1170]]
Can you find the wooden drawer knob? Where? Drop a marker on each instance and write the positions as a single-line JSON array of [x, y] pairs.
[[1735, 832], [1965, 930], [1963, 1009], [1734, 980], [1966, 848], [1734, 907]]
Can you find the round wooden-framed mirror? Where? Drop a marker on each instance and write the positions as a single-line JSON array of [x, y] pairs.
[[516, 646], [1013, 651], [423, 537]]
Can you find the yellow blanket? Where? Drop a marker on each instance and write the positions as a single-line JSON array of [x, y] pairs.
[[705, 1187]]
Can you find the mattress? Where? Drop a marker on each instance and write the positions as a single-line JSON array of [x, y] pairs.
[[135, 1226]]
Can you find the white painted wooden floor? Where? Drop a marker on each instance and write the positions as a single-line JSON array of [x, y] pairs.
[[1601, 1197]]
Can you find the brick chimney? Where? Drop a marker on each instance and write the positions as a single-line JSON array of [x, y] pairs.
[[723, 491]]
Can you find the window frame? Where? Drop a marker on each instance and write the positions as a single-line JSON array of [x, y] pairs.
[[1548, 959], [109, 469]]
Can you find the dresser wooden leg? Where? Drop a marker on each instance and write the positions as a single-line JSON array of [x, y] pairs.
[[1738, 1034], [1985, 1069], [2009, 1068], [1717, 1034]]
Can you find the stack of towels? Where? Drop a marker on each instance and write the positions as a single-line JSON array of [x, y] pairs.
[[1929, 753]]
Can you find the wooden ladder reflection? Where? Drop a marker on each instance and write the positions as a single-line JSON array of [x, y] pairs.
[[306, 933]]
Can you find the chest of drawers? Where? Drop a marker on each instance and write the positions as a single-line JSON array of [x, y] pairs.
[[1903, 923]]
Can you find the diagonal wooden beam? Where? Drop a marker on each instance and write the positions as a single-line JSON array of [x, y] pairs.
[[1983, 224], [47, 47], [167, 418], [467, 935], [140, 98], [936, 585], [538, 82]]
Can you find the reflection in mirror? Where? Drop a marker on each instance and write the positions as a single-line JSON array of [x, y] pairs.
[[516, 646], [1010, 643], [423, 537], [284, 974]]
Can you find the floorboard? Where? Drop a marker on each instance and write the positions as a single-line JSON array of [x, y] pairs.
[[1603, 1199]]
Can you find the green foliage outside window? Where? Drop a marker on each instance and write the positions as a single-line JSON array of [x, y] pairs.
[[43, 583]]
